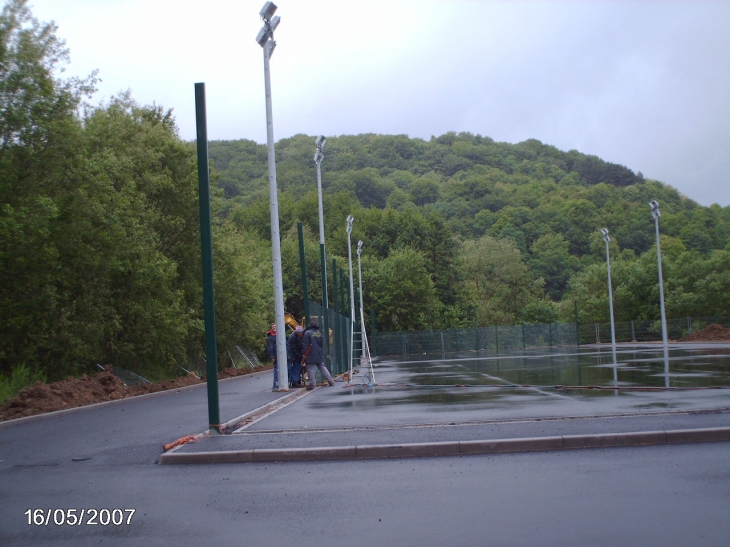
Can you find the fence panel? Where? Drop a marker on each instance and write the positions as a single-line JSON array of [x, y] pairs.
[[511, 338]]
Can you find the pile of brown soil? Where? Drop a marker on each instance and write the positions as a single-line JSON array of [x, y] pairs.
[[711, 333], [40, 398]]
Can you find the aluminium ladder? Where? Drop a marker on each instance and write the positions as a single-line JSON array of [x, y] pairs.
[[361, 362]]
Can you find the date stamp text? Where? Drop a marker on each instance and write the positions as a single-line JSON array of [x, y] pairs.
[[79, 517]]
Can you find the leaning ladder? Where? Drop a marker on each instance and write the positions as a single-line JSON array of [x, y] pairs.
[[361, 363]]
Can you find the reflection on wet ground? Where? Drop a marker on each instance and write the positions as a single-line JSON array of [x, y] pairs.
[[565, 375], [636, 367], [566, 382]]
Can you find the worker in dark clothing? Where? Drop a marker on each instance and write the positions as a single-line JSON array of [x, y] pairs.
[[313, 356], [294, 356]]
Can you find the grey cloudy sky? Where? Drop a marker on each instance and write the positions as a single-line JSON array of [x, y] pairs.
[[642, 83]]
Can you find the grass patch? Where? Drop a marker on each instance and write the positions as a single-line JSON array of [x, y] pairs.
[[21, 377]]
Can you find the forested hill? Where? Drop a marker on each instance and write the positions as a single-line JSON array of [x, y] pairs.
[[446, 156], [479, 186], [497, 231], [100, 246], [99, 237]]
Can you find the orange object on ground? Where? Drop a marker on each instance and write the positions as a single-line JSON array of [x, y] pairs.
[[184, 440]]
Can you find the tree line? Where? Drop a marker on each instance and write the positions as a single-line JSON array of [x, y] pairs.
[[99, 236], [484, 233]]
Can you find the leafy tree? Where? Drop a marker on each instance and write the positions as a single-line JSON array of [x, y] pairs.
[[366, 185], [541, 311], [401, 291], [551, 260], [498, 279], [39, 132], [424, 190]]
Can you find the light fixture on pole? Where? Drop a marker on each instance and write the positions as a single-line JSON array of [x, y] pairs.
[[607, 239], [350, 218], [654, 204], [265, 39], [318, 157]]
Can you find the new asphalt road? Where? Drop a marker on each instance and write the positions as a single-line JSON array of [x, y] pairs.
[[102, 460]]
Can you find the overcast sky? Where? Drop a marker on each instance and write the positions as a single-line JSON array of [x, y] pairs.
[[642, 83]]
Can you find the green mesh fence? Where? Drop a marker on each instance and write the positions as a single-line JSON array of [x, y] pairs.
[[497, 339], [339, 326], [647, 331], [507, 339]]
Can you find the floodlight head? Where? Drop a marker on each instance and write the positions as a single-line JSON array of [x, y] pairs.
[[318, 156], [359, 247], [654, 204], [606, 237], [263, 36], [275, 23], [350, 218], [268, 11]]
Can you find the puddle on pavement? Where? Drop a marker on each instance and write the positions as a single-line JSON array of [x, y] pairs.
[[638, 368], [482, 379]]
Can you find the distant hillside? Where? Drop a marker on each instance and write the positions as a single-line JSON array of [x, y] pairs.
[[530, 201], [240, 162]]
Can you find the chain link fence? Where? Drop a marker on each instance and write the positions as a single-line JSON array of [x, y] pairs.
[[508, 339], [495, 339], [646, 331], [337, 350]]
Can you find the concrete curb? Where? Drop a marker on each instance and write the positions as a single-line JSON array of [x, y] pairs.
[[452, 448]]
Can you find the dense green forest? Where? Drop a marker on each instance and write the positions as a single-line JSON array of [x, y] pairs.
[[99, 240], [461, 230], [99, 231]]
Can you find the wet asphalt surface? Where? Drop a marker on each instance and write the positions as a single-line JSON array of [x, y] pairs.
[[104, 457], [479, 396]]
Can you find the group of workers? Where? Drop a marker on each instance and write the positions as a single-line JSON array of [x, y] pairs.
[[303, 347]]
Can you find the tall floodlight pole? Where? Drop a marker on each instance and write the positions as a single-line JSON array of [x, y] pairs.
[[654, 204], [350, 218], [265, 39], [318, 157], [607, 239]]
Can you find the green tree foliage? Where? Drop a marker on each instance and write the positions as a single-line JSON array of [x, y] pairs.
[[498, 280], [552, 261], [400, 290], [547, 204], [99, 227], [38, 134]]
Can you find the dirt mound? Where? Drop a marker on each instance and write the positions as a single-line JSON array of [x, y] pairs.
[[72, 392], [40, 398], [711, 333]]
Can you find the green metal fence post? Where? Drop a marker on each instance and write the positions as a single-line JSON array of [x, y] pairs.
[[206, 249], [372, 330], [336, 322], [343, 320], [303, 268], [523, 330], [577, 325]]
